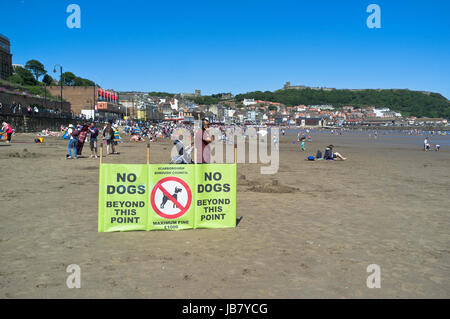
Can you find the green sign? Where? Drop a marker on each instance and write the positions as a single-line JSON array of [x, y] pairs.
[[123, 197], [166, 197], [215, 196], [171, 197]]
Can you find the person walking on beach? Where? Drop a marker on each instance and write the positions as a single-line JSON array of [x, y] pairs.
[[6, 129], [426, 144], [93, 140], [82, 138], [108, 135], [73, 140], [116, 137]]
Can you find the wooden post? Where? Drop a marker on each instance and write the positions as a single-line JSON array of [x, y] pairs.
[[101, 152], [195, 153], [195, 148], [148, 153], [235, 154]]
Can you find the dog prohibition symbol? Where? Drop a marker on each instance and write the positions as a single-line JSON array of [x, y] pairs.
[[174, 195]]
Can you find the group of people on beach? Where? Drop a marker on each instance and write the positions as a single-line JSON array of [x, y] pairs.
[[427, 145], [301, 138], [77, 136]]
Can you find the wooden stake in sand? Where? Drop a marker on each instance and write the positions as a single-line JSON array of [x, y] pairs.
[[195, 153], [101, 152], [195, 148], [235, 154], [148, 153]]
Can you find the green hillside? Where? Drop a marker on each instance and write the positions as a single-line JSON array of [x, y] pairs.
[[405, 101]]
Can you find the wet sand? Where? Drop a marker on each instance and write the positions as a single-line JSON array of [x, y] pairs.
[[309, 231]]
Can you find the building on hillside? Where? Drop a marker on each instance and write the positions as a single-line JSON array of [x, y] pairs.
[[348, 109], [288, 86], [431, 121], [226, 96], [197, 93], [129, 103], [14, 66], [248, 102], [310, 121], [6, 68], [192, 114], [91, 101]]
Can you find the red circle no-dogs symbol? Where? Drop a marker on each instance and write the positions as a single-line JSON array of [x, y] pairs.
[[171, 197]]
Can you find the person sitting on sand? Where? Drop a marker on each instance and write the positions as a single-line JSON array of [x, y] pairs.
[[437, 148], [330, 155], [136, 138]]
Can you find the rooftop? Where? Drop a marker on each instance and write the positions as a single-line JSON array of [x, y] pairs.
[[4, 37]]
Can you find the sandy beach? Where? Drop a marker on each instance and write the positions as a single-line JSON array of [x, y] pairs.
[[309, 231]]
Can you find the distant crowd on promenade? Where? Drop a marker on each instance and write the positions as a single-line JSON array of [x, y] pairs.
[[31, 110]]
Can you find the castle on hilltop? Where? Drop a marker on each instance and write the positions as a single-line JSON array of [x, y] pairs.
[[288, 85]]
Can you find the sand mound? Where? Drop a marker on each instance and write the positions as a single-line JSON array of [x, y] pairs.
[[25, 154], [273, 187], [242, 180]]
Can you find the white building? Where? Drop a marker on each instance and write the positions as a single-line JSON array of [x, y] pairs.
[[380, 112], [88, 113], [248, 102], [174, 104]]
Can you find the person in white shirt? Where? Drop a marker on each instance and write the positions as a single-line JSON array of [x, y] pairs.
[[73, 140]]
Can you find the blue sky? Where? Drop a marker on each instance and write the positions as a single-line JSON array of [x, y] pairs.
[[237, 46]]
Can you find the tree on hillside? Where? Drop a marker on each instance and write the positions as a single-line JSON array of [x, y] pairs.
[[206, 100], [68, 78], [82, 82], [15, 78], [47, 79], [22, 76], [36, 67]]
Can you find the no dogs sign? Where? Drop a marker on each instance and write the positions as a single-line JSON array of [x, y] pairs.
[[171, 197], [166, 197]]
